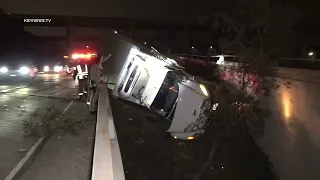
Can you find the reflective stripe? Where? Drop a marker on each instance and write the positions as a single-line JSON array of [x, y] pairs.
[[80, 73], [80, 69]]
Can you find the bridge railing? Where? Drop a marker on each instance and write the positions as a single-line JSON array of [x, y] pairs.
[[107, 161], [299, 59], [307, 63]]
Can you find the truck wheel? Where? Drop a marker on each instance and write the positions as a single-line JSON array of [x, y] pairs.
[[82, 98], [113, 96]]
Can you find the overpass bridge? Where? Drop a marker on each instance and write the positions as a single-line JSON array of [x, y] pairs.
[[130, 25], [65, 39], [107, 22]]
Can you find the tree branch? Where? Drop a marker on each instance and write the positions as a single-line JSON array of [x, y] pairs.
[[265, 30], [212, 151], [260, 39]]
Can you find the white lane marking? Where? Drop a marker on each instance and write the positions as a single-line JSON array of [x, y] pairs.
[[68, 107], [31, 153]]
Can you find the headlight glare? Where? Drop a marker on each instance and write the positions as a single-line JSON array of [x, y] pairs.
[[24, 70], [3, 70], [46, 68], [57, 69]]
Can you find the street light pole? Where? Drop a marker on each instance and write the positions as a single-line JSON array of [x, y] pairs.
[[312, 57]]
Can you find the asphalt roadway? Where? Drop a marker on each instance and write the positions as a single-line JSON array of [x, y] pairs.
[[18, 98], [292, 135]]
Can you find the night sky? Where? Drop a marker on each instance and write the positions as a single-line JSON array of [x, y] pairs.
[[122, 8]]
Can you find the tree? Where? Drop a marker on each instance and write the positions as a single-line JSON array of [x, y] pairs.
[[253, 30]]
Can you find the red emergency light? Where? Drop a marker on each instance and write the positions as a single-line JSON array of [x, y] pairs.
[[83, 56]]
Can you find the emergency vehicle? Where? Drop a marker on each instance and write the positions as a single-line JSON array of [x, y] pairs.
[[81, 60]]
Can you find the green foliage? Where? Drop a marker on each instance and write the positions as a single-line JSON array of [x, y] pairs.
[[255, 31], [48, 121], [255, 27]]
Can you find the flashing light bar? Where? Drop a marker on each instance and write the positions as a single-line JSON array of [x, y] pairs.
[[82, 56]]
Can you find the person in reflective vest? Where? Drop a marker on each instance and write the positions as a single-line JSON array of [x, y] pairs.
[[81, 74]]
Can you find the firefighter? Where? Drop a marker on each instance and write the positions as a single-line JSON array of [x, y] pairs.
[[81, 74]]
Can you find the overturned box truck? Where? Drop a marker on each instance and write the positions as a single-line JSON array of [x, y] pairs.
[[145, 77]]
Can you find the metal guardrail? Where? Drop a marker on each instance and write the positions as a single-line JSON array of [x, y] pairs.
[[302, 63], [299, 62], [107, 161], [279, 59], [300, 59]]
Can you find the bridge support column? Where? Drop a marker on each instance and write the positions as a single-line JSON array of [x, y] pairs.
[[133, 32], [186, 40], [70, 38]]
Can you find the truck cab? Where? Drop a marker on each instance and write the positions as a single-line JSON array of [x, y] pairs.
[[182, 101]]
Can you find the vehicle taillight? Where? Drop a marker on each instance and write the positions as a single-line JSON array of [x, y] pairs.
[[172, 89]]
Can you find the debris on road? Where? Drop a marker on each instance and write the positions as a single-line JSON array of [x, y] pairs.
[[23, 150], [70, 145]]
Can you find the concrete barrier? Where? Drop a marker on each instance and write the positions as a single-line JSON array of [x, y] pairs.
[[107, 161]]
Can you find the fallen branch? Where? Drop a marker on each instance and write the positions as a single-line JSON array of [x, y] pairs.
[[206, 164]]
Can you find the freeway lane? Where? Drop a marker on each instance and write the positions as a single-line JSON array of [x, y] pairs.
[[20, 97], [292, 136]]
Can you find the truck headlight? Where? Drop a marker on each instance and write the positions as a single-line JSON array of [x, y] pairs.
[[24, 70], [46, 68], [204, 89], [3, 69]]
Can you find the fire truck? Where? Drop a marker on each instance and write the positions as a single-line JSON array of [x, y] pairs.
[[80, 61]]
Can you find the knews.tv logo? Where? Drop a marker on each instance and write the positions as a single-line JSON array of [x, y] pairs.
[[36, 20]]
